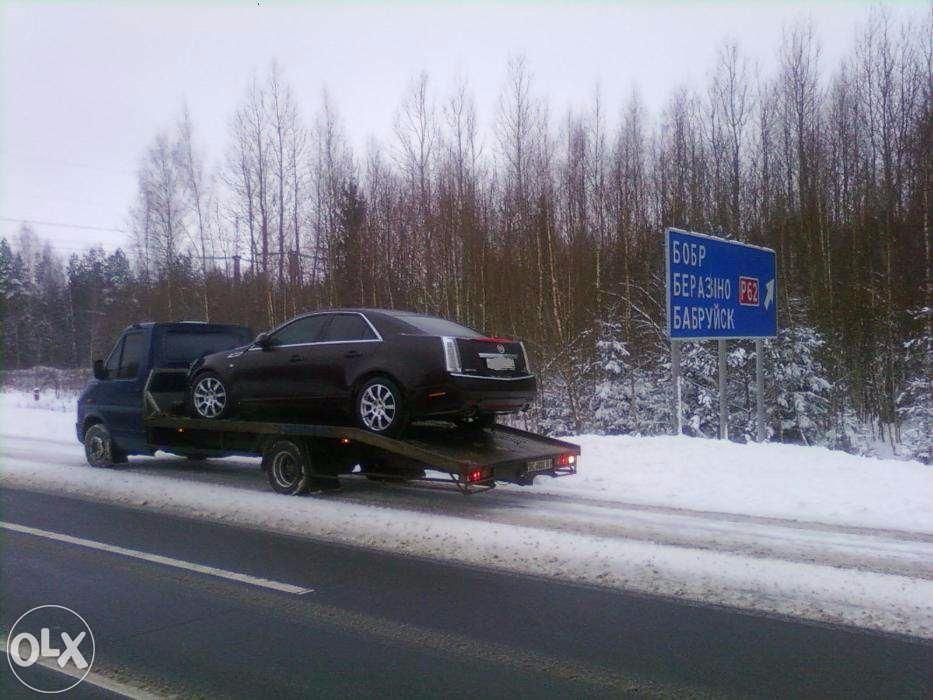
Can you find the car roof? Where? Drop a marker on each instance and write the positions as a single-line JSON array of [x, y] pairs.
[[392, 313]]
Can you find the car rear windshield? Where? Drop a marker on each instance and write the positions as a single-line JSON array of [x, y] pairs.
[[439, 326], [184, 346]]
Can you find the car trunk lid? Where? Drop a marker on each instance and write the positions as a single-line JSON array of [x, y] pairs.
[[491, 357]]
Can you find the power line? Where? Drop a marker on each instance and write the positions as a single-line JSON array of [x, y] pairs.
[[62, 224]]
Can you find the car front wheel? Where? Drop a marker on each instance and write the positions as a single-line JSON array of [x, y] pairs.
[[380, 407], [210, 397]]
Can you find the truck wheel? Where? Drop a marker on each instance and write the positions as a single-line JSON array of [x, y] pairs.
[[288, 467], [209, 397], [380, 407], [99, 448]]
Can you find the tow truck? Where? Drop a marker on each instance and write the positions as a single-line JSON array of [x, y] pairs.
[[298, 457]]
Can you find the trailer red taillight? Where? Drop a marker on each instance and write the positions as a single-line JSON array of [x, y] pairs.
[[565, 460], [344, 441], [479, 474]]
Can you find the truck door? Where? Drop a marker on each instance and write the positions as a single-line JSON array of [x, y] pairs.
[[120, 395]]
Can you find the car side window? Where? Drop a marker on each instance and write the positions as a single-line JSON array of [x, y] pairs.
[[305, 330], [134, 346], [349, 327]]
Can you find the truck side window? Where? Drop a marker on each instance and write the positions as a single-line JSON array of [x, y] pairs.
[[113, 359], [133, 348]]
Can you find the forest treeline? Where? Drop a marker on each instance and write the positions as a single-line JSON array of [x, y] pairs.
[[548, 225]]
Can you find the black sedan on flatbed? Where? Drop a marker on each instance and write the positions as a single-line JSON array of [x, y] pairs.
[[378, 368]]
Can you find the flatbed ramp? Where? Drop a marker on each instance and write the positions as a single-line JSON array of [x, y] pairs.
[[471, 459]]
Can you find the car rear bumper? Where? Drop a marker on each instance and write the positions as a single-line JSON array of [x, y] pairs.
[[466, 395]]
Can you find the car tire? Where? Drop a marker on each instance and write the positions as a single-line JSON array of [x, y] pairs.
[[380, 407], [209, 397], [288, 467], [99, 448]]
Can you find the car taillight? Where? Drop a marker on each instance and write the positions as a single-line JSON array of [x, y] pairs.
[[525, 357], [451, 354], [565, 460]]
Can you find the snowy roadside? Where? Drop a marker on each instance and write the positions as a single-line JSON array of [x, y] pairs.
[[39, 453]]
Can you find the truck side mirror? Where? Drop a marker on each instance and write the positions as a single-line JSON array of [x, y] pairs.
[[264, 341], [100, 372]]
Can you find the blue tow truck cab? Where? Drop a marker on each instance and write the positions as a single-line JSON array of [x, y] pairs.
[[113, 400]]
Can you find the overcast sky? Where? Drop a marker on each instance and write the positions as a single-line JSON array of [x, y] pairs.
[[85, 87]]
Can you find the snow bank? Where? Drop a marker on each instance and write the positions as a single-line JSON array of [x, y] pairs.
[[768, 480]]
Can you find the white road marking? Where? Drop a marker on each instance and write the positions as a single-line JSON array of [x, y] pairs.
[[158, 559], [92, 678]]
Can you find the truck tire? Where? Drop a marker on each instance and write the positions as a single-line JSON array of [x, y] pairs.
[[209, 397], [380, 407], [287, 465], [100, 449]]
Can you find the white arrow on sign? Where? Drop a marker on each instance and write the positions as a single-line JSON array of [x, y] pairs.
[[769, 294]]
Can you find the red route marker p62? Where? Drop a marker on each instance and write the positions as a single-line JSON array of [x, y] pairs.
[[748, 291]]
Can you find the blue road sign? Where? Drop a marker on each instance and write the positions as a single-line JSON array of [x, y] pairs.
[[718, 288]]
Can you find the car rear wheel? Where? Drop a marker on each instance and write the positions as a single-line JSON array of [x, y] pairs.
[[380, 407], [209, 397], [100, 449]]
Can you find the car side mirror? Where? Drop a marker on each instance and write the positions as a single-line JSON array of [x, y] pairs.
[[100, 372], [264, 341]]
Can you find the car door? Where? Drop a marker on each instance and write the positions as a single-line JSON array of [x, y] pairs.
[[120, 402], [348, 343], [278, 376]]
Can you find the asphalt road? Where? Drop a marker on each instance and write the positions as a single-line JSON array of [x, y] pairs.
[[380, 624]]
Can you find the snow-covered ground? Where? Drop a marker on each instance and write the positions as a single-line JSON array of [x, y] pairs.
[[779, 528]]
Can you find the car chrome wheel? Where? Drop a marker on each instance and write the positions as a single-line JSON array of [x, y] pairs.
[[210, 397], [378, 407]]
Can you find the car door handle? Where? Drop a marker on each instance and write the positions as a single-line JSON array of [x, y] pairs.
[[353, 353], [296, 358]]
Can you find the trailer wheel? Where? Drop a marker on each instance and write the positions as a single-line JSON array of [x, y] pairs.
[[100, 449], [288, 467]]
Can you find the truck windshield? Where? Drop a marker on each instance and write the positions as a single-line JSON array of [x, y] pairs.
[[185, 346]]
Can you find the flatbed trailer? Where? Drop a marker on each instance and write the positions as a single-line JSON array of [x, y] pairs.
[[299, 457]]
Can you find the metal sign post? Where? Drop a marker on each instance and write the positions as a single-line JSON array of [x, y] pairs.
[[760, 391], [723, 393], [719, 290], [675, 371]]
